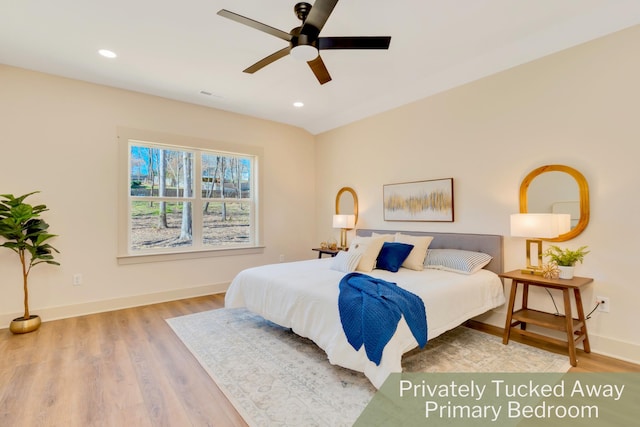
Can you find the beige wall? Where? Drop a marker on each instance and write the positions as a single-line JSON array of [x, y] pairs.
[[578, 107], [59, 136]]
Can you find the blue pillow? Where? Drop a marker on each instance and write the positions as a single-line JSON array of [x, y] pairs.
[[392, 255]]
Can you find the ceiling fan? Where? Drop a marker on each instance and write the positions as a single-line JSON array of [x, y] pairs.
[[305, 41]]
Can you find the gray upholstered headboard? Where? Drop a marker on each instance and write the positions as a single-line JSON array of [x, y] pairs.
[[488, 243]]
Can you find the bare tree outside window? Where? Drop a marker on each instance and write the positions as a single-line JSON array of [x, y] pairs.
[[186, 227], [162, 186]]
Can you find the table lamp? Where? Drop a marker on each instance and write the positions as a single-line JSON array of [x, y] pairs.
[[344, 222], [537, 226]]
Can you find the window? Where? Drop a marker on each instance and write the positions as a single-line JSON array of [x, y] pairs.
[[189, 198]]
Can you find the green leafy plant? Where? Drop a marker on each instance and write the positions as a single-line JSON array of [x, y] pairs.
[[566, 257], [27, 235]]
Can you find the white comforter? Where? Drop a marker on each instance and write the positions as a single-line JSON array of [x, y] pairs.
[[303, 296]]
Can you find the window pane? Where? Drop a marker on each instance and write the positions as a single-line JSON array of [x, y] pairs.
[[160, 225], [161, 172], [225, 176], [226, 224]]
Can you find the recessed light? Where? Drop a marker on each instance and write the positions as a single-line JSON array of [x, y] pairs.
[[298, 104], [107, 53]]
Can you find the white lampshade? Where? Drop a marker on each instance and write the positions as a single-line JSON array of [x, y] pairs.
[[304, 53], [540, 225], [344, 221]]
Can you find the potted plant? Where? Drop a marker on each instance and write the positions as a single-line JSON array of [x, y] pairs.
[[27, 235], [566, 259]]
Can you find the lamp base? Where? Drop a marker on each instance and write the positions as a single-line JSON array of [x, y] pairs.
[[343, 238], [531, 271], [534, 269]]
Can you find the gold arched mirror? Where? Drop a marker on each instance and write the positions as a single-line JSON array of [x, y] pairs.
[[557, 189], [347, 202]]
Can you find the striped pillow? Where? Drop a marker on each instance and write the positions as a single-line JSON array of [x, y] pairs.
[[456, 260], [346, 261]]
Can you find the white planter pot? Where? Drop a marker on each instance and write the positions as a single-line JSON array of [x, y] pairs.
[[566, 272]]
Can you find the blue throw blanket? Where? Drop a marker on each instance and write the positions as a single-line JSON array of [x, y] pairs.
[[370, 309]]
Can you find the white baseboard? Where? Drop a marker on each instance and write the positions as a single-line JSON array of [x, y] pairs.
[[627, 351], [62, 312]]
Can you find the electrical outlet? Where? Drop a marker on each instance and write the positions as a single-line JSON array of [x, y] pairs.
[[77, 279], [281, 257], [604, 304]]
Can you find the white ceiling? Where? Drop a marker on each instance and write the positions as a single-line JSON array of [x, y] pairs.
[[178, 49]]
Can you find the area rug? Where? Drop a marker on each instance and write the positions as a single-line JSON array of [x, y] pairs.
[[275, 378]]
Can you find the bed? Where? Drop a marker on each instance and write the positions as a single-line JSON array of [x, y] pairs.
[[303, 296]]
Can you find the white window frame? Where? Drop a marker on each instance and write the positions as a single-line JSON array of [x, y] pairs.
[[128, 137]]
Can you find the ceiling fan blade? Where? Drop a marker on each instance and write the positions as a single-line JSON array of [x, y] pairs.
[[255, 24], [268, 60], [365, 42], [320, 70], [317, 17]]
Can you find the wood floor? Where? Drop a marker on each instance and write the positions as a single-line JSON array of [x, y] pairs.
[[127, 367], [121, 368]]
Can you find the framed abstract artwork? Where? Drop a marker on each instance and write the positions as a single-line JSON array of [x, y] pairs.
[[419, 201]]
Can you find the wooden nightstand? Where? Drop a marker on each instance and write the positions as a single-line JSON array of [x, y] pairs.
[[576, 329], [332, 252]]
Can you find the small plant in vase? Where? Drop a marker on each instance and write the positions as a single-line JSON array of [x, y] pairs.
[[566, 259]]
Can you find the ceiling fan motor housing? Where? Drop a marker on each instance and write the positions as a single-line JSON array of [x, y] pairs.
[[301, 39]]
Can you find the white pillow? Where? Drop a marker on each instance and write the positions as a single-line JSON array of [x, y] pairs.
[[415, 260], [456, 260], [346, 261], [369, 248]]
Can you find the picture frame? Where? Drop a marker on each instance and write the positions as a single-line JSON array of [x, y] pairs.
[[430, 200]]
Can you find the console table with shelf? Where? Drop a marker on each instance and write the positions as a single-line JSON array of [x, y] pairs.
[[574, 328]]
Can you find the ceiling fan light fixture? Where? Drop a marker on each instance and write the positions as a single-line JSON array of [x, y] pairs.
[[304, 53]]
